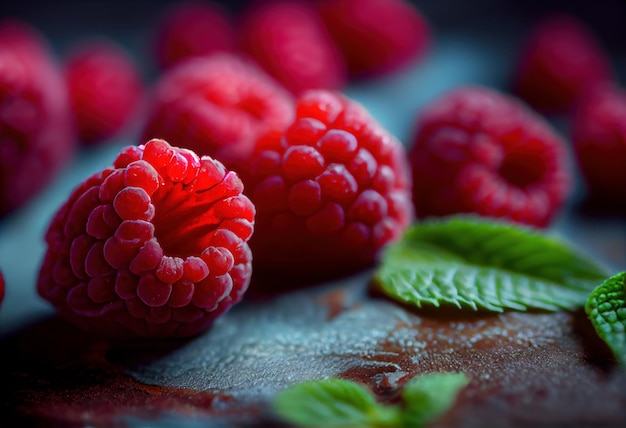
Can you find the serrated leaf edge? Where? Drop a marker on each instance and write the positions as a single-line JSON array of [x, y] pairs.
[[615, 287], [572, 293]]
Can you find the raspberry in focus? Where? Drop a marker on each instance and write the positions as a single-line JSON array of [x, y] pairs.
[[376, 37], [599, 138], [36, 132], [330, 191], [560, 59], [288, 39], [155, 246], [192, 29], [105, 89], [217, 106], [479, 151]]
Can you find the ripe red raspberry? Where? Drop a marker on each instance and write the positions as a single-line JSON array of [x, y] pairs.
[[559, 60], [480, 151], [217, 106], [192, 29], [376, 36], [155, 246], [599, 137], [330, 191], [105, 89], [288, 39], [36, 138]]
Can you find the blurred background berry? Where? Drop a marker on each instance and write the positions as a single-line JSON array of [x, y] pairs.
[[189, 29], [105, 89], [36, 132]]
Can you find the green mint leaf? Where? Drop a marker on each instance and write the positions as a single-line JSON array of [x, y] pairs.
[[485, 264], [606, 308], [430, 395], [333, 403]]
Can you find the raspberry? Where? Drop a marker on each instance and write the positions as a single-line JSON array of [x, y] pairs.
[[376, 36], [288, 39], [479, 151], [192, 29], [599, 137], [217, 106], [155, 246], [559, 60], [105, 89], [330, 191], [36, 138]]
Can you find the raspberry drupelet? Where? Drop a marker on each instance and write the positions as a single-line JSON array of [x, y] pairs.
[[479, 151], [217, 106], [155, 246], [330, 191]]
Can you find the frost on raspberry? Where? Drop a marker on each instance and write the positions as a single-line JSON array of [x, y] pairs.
[[217, 106], [330, 191], [155, 246], [478, 151]]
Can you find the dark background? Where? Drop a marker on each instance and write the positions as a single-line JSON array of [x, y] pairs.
[[132, 22]]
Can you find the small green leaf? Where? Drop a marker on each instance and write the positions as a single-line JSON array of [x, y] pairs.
[[333, 403], [477, 263], [606, 308], [428, 396]]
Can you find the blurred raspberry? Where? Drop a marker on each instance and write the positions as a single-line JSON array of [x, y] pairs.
[[105, 89], [155, 246], [36, 138], [560, 59], [191, 29], [376, 36], [287, 38], [479, 151], [330, 191], [599, 137], [217, 106]]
